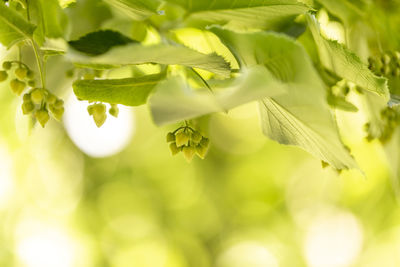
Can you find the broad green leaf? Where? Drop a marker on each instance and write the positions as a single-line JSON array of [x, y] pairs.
[[161, 54], [301, 117], [129, 92], [136, 9], [244, 14], [174, 100], [49, 17], [13, 27], [99, 42], [346, 64], [136, 30]]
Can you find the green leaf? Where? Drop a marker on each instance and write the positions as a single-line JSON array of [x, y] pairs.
[[244, 14], [174, 100], [49, 17], [301, 117], [13, 27], [136, 9], [129, 92], [97, 43], [346, 64], [135, 54]]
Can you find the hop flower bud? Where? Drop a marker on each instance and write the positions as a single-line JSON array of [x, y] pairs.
[[205, 142], [174, 149], [188, 152], [196, 137], [90, 110], [114, 111], [99, 118], [38, 95], [170, 137], [17, 86], [3, 76], [26, 98], [57, 112], [42, 116], [51, 99], [7, 65], [182, 138], [201, 151], [30, 74], [21, 73], [59, 103], [27, 107], [31, 83]]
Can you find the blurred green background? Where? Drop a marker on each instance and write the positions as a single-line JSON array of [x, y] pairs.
[[72, 195]]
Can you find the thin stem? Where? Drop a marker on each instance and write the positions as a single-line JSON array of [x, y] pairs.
[[40, 67], [203, 80]]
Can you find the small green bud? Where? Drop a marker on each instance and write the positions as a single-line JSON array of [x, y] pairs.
[[170, 137], [99, 118], [182, 138], [7, 65], [3, 76], [31, 83], [90, 110], [174, 149], [201, 151], [51, 99], [27, 107], [99, 108], [30, 74], [59, 103], [26, 98], [17, 86], [114, 111], [42, 116], [196, 137], [386, 59], [88, 76], [205, 142], [57, 112], [188, 152], [37, 95], [21, 73]]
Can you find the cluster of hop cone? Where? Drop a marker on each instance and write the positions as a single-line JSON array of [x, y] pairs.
[[37, 101], [188, 141]]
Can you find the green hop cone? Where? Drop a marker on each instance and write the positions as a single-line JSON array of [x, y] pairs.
[[38, 95], [17, 86], [90, 109], [174, 149], [7, 65], [21, 73], [205, 142], [99, 118], [51, 99], [3, 76], [201, 151], [170, 137], [196, 137], [57, 112], [114, 111], [59, 103], [182, 138], [27, 107], [188, 152], [42, 116]]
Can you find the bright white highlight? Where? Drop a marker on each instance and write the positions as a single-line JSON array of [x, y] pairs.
[[46, 248], [249, 254], [105, 141], [333, 240]]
